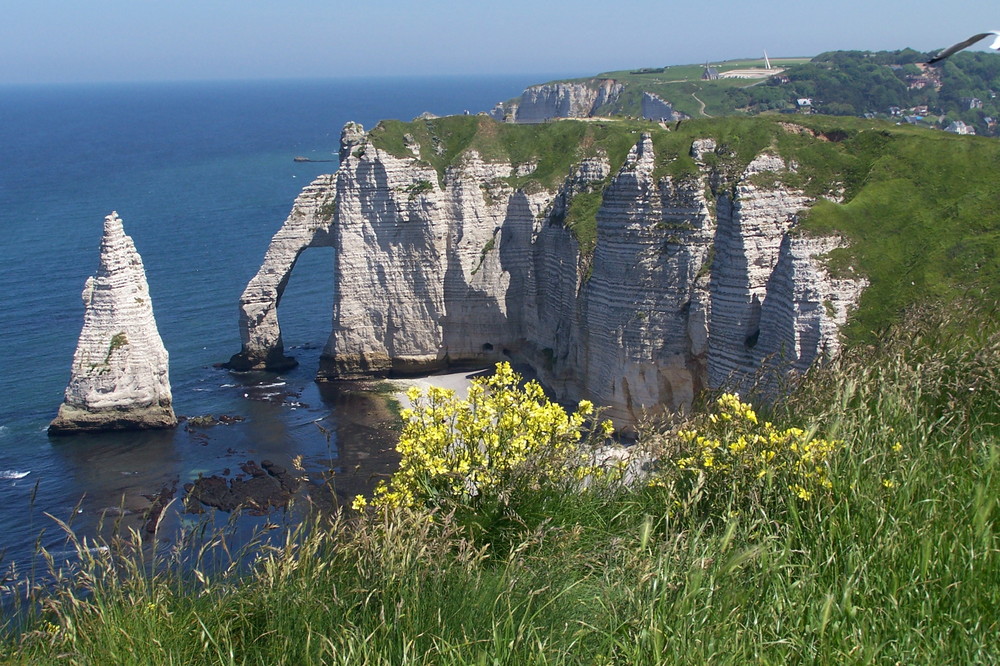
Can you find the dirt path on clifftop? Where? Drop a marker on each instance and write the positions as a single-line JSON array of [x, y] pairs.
[[702, 105]]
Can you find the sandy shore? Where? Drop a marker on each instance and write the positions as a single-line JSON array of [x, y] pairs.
[[458, 382], [611, 454]]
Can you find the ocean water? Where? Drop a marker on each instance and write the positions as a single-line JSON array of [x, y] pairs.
[[202, 175]]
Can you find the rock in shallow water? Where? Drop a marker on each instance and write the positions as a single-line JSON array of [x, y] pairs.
[[269, 486], [119, 379]]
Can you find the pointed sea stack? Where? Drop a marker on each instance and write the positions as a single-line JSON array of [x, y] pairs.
[[119, 378]]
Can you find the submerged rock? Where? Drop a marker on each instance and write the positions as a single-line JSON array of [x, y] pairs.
[[119, 379], [270, 486]]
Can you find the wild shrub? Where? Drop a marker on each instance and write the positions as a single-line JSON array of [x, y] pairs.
[[728, 460], [505, 436]]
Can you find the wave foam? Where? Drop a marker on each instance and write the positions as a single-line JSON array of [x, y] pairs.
[[12, 474]]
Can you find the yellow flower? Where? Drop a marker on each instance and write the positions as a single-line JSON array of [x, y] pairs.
[[802, 493], [359, 503], [459, 450]]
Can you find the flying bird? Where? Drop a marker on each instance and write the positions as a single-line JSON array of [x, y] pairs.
[[955, 48]]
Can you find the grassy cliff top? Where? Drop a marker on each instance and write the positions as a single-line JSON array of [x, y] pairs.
[[884, 84], [681, 85], [554, 147], [684, 88], [919, 206]]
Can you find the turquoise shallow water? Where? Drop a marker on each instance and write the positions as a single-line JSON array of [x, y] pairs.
[[202, 175]]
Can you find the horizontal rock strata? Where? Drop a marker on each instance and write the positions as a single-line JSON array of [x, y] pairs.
[[695, 281], [120, 375], [537, 104], [655, 107]]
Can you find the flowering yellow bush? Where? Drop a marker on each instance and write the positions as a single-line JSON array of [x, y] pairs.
[[731, 454], [504, 435]]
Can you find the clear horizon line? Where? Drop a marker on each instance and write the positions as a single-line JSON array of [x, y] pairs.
[[557, 74], [277, 79]]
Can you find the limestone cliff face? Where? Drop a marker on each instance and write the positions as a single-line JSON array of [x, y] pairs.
[[559, 100], [427, 271], [752, 223], [655, 107], [645, 306], [695, 281], [119, 379]]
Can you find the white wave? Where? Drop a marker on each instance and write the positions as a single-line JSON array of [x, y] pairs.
[[72, 551], [12, 474], [228, 386], [3, 430], [272, 385]]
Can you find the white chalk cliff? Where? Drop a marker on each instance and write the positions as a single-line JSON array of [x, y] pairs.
[[655, 107], [578, 99], [695, 281], [119, 379]]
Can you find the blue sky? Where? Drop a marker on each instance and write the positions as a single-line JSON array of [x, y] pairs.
[[44, 41]]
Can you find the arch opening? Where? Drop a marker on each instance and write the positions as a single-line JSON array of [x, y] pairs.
[[305, 306]]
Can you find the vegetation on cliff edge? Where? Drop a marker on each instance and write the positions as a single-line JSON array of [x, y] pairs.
[[918, 206], [895, 558], [884, 84]]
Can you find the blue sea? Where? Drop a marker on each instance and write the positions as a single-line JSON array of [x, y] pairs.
[[202, 175]]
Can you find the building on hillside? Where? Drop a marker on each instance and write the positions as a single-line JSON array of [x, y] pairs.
[[918, 82], [804, 105], [958, 127], [972, 102], [710, 74]]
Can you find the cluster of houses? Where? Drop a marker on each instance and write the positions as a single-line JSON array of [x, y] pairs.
[[917, 115]]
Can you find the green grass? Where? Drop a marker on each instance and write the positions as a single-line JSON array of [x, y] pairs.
[[554, 149], [900, 563], [693, 72], [677, 83]]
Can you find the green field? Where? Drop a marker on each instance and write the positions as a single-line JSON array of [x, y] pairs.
[[682, 84], [885, 84]]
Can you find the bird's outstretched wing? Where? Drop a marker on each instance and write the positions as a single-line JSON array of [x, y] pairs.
[[955, 48]]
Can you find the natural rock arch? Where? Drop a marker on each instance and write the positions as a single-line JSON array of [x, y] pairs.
[[308, 225]]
